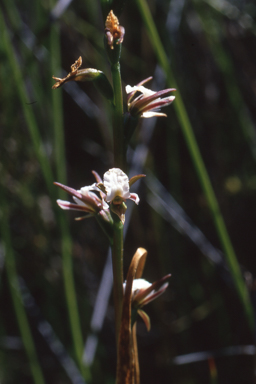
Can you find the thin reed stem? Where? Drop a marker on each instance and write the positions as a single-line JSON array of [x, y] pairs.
[[118, 131], [20, 312], [198, 164], [117, 261], [119, 160], [66, 242]]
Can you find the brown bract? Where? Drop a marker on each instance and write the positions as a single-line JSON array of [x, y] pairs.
[[114, 32]]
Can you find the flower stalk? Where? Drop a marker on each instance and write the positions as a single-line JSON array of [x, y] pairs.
[[118, 134], [117, 262], [119, 159], [114, 35]]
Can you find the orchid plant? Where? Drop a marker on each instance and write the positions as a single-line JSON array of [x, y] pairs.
[[105, 199]]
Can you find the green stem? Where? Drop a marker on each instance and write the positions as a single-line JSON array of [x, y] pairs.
[[118, 117], [20, 312], [119, 162], [117, 262], [199, 165]]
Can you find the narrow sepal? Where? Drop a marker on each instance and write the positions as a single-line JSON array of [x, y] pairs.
[[145, 296], [135, 178]]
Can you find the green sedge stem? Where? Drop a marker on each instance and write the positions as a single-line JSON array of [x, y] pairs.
[[119, 158], [199, 165], [70, 293], [117, 262], [118, 117]]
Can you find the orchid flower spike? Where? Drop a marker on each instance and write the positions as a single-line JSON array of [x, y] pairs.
[[143, 102]]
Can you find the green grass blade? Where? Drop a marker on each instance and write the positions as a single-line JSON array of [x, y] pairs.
[[20, 312], [60, 162], [223, 60], [25, 102]]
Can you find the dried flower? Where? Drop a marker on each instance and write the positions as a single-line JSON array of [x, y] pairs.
[[76, 74], [98, 78], [143, 102], [114, 32]]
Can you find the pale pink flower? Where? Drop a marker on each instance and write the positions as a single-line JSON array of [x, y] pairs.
[[144, 102]]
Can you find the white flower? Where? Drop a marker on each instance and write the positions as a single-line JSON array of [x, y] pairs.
[[117, 187], [144, 292], [138, 284]]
